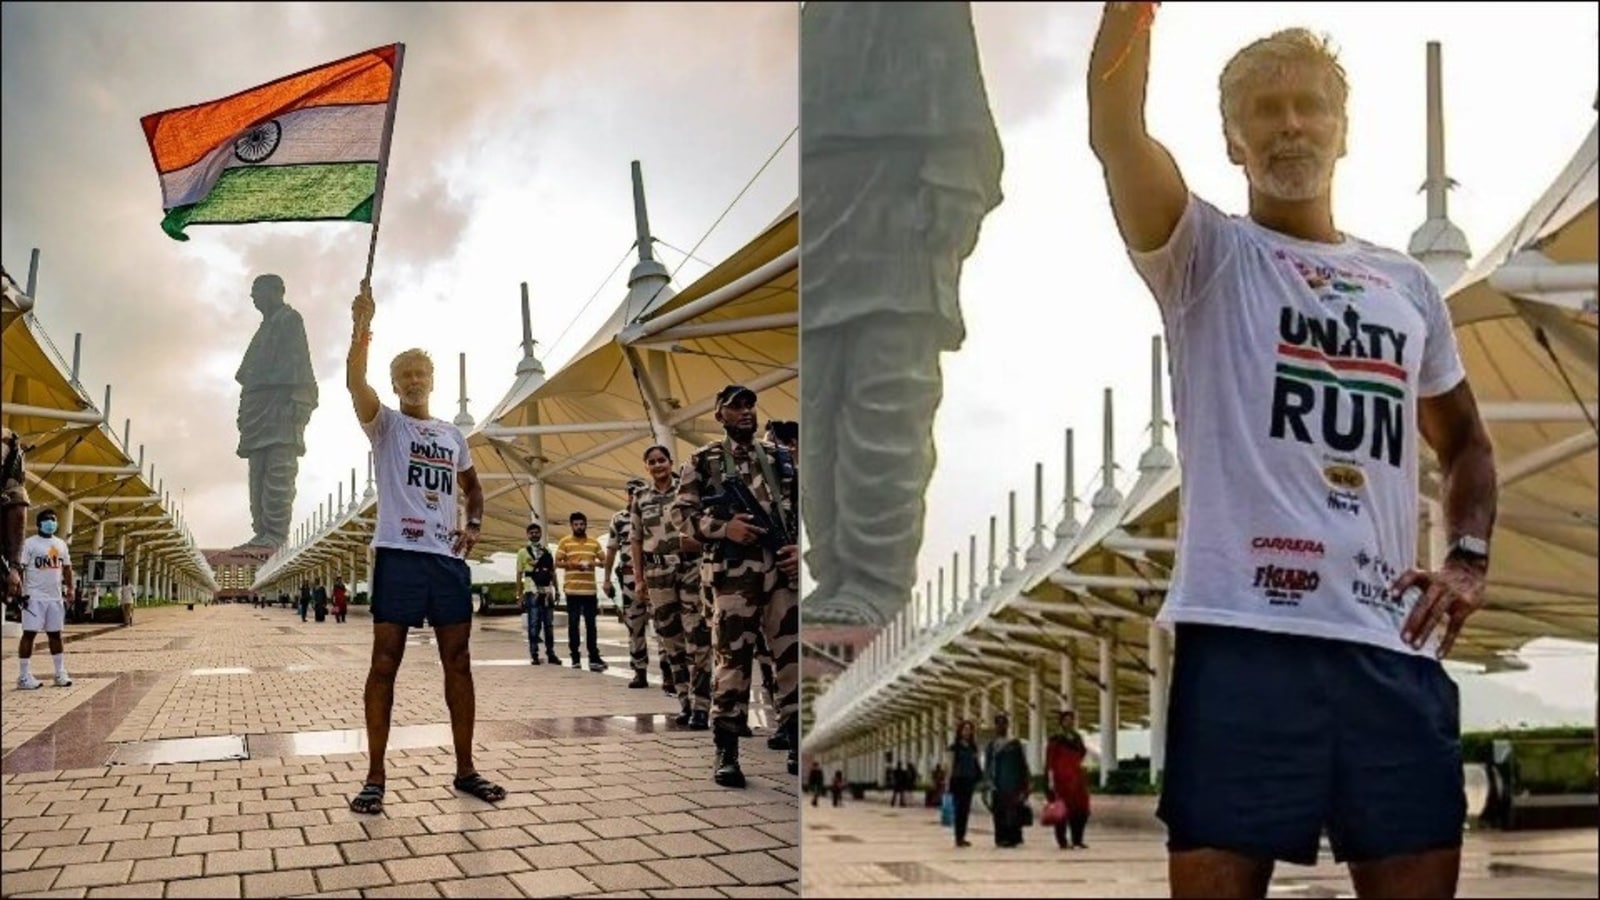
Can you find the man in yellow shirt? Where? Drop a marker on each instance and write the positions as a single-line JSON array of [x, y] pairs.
[[577, 555]]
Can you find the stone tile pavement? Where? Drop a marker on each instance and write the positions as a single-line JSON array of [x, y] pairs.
[[866, 849], [606, 796]]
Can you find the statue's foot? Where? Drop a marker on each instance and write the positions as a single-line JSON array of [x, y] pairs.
[[851, 605], [261, 540]]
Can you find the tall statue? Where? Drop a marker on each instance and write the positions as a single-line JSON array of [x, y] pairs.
[[899, 163], [279, 393]]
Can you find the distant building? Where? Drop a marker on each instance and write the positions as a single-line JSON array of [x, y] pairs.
[[826, 651], [236, 570]]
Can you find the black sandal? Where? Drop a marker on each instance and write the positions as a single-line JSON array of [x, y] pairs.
[[370, 800], [480, 787]]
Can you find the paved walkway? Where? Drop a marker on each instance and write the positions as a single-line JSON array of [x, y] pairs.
[[212, 753], [867, 849]]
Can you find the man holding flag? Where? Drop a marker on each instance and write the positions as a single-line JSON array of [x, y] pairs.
[[314, 146], [419, 569]]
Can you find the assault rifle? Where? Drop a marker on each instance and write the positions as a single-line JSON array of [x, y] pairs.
[[736, 498]]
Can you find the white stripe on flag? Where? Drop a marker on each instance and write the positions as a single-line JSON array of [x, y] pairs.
[[321, 134]]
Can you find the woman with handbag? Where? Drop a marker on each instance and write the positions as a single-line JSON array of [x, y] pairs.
[[341, 600], [1069, 790], [1007, 765], [965, 773]]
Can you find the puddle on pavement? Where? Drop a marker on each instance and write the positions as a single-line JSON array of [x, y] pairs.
[[179, 750], [914, 873], [78, 739], [354, 740], [1302, 889], [1518, 870], [231, 670]]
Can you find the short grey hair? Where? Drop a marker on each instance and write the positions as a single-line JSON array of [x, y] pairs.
[[1262, 58]]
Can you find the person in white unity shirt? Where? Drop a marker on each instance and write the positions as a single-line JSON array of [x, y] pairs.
[[420, 572], [46, 583], [1307, 691]]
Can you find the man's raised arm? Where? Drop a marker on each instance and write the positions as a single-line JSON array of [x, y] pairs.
[[1148, 195], [355, 366]]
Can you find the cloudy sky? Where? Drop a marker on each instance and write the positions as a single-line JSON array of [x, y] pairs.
[[510, 163], [1054, 310]]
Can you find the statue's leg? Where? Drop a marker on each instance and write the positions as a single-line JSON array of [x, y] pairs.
[[885, 458], [821, 395], [258, 478], [277, 496]]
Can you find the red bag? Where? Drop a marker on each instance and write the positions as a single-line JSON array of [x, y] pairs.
[[1054, 812]]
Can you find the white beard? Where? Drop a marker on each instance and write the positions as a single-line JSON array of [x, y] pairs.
[[1294, 181]]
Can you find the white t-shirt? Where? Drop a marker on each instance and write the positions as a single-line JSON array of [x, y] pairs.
[[1296, 368], [415, 462], [43, 559]]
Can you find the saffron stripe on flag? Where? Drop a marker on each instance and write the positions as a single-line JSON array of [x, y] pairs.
[[181, 137], [321, 134], [304, 193], [1354, 384], [1344, 364]]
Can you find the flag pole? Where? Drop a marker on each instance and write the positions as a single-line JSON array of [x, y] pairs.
[[383, 158]]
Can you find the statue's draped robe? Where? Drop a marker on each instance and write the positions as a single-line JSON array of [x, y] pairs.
[[279, 393], [900, 162]]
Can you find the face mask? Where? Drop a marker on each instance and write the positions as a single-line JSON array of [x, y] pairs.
[[47, 527]]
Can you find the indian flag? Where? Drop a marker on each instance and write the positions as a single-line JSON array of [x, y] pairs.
[[308, 147]]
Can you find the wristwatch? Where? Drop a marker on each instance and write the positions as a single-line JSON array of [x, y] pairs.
[[1469, 549], [475, 523]]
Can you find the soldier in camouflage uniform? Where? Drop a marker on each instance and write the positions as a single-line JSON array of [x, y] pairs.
[[635, 605], [669, 566], [754, 587]]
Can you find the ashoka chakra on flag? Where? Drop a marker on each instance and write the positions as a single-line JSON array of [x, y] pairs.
[[307, 147]]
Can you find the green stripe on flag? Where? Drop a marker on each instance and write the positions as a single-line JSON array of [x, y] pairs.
[[1354, 384], [303, 193]]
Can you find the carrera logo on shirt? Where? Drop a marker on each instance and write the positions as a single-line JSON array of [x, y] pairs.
[[1287, 546], [1343, 381]]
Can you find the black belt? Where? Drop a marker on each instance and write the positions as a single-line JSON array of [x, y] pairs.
[[670, 559]]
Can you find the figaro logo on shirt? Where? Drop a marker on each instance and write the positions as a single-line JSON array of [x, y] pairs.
[[1284, 585]]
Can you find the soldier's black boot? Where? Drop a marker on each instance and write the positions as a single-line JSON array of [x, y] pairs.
[[728, 773], [698, 721], [640, 680], [779, 739], [666, 679], [683, 717], [791, 730], [744, 725]]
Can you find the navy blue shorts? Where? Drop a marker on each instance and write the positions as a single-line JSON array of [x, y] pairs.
[[409, 586], [1274, 739]]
